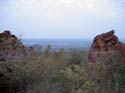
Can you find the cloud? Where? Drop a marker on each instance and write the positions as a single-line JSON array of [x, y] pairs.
[[61, 8], [58, 16]]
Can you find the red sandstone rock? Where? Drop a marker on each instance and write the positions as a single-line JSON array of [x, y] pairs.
[[104, 43], [9, 46]]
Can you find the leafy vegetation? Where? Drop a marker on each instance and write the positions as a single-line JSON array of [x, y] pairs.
[[69, 72]]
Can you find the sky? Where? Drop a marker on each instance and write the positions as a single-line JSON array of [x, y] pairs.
[[62, 18]]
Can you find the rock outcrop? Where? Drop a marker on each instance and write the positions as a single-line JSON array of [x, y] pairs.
[[105, 43], [10, 47]]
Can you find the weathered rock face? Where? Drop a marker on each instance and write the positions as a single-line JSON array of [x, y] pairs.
[[11, 47], [105, 43]]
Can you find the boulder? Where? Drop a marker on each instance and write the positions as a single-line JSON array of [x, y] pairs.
[[104, 44], [11, 48]]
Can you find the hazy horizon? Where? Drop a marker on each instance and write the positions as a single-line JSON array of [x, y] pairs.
[[62, 43]]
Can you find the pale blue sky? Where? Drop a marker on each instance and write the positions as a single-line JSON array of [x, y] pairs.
[[62, 18]]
